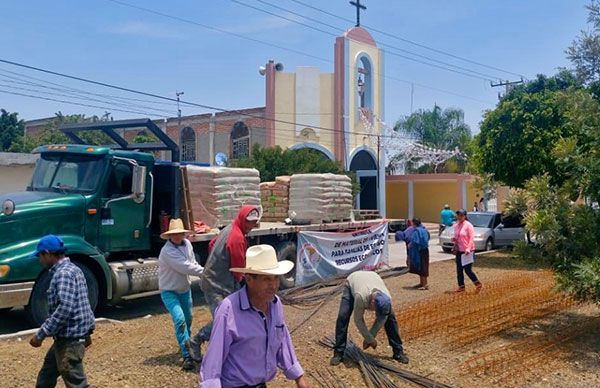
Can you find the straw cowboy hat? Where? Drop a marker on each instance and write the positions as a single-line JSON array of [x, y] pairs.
[[175, 226], [262, 260]]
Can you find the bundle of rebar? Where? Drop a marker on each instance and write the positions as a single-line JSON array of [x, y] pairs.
[[374, 370], [326, 378], [464, 318], [534, 354]]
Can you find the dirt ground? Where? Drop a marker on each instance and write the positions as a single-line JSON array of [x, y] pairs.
[[556, 344]]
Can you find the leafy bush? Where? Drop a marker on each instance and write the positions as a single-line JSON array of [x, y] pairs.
[[566, 235]]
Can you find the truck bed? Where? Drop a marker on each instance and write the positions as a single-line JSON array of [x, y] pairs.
[[274, 228]]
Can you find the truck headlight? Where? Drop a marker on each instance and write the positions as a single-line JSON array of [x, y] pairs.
[[4, 270], [8, 207]]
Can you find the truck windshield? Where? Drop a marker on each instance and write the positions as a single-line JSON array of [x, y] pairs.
[[67, 173]]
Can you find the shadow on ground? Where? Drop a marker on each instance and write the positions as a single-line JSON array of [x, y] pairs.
[[16, 319]]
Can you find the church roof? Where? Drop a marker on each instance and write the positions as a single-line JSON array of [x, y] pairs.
[[361, 35]]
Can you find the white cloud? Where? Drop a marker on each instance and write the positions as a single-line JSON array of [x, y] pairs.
[[144, 29]]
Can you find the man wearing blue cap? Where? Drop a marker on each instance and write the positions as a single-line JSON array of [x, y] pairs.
[[365, 290], [70, 318]]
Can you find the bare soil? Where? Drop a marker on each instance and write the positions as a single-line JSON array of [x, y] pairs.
[[539, 343]]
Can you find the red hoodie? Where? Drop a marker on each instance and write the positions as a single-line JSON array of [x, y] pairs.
[[236, 241]]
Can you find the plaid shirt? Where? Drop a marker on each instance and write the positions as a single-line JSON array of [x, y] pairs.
[[70, 314]]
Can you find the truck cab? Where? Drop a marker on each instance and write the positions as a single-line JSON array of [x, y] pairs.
[[101, 201]]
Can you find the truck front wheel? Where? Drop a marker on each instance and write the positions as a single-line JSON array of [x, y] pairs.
[[287, 251], [37, 309]]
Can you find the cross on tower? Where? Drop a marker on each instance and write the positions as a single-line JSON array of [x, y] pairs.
[[358, 6]]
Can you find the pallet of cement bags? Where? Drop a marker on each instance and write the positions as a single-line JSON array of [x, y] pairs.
[[218, 193], [275, 199], [320, 197]]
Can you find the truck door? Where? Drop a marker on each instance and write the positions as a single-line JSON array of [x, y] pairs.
[[123, 220]]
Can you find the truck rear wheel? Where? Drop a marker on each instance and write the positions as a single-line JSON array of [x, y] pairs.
[[287, 251], [37, 309]]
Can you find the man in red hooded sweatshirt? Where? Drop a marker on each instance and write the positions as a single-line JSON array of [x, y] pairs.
[[228, 250]]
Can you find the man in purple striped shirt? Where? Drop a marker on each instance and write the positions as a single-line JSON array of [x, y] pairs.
[[250, 339]]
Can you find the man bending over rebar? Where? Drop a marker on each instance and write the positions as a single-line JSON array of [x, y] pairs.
[[365, 290]]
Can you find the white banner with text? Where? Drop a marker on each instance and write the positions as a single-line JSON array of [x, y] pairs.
[[325, 255]]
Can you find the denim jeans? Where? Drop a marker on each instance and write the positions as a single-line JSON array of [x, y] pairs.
[[180, 308], [468, 269], [65, 359], [343, 320], [213, 299]]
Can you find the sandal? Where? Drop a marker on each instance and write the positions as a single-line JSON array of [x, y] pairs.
[[416, 286], [423, 288], [478, 286], [459, 289]]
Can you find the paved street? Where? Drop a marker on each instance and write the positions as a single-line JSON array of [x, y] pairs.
[[398, 252]]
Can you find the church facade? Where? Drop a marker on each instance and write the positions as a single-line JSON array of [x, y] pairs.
[[333, 113]]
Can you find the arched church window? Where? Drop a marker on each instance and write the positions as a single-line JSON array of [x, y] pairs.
[[188, 144], [364, 85], [240, 141]]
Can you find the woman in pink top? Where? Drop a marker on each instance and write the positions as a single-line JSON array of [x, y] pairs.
[[464, 244]]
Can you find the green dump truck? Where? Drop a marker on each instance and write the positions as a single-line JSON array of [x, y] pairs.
[[106, 204]]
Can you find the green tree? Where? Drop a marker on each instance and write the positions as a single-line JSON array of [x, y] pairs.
[[52, 134], [584, 52], [437, 128], [11, 129], [274, 162], [517, 137]]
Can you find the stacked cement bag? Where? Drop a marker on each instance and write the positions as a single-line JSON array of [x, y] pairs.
[[218, 193], [320, 197], [274, 197]]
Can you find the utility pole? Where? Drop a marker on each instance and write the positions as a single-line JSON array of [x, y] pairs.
[[507, 84], [178, 110]]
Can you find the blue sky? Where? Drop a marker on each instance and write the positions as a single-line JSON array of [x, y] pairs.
[[109, 42]]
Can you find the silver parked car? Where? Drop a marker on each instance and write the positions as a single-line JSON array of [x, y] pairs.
[[491, 230]]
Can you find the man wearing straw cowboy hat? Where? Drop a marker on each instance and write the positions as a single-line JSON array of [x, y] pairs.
[[250, 339], [176, 263]]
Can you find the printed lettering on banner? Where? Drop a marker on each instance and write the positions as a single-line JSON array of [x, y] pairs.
[[325, 255]]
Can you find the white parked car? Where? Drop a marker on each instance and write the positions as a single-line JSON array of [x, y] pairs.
[[491, 231]]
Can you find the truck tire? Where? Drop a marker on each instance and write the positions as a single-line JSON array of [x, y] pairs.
[[287, 251], [37, 309]]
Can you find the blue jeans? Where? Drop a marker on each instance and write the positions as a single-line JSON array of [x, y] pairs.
[[468, 269], [180, 308]]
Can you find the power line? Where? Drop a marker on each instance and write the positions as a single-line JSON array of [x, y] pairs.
[[75, 94], [180, 19], [72, 97], [460, 70], [209, 107], [409, 41], [68, 102]]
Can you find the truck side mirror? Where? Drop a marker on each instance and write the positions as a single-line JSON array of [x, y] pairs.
[[138, 187]]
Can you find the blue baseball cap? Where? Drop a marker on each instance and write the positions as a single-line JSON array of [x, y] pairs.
[[383, 305], [49, 243]]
